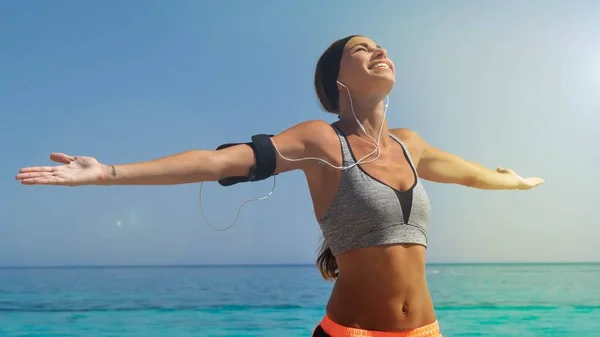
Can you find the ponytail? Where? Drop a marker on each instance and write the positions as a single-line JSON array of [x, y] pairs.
[[327, 263]]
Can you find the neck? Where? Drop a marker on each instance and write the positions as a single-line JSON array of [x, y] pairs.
[[370, 113]]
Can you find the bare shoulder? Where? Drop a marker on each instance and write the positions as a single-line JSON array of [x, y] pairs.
[[321, 139], [415, 143], [311, 133], [406, 135], [314, 128], [306, 139], [313, 138]]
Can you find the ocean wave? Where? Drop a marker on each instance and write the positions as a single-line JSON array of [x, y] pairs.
[[484, 307], [53, 307]]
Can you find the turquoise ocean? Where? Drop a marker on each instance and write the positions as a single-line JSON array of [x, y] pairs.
[[471, 300]]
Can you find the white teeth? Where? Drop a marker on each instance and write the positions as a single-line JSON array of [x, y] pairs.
[[381, 65]]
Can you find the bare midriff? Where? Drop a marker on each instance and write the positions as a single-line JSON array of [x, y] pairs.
[[382, 288]]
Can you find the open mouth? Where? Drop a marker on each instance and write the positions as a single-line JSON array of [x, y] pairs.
[[380, 65]]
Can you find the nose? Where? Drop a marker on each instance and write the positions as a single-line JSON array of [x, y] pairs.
[[380, 53]]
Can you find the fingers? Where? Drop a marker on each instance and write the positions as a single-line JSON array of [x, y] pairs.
[[37, 169], [535, 181], [30, 175], [56, 156], [48, 180], [530, 183], [61, 158], [42, 178]]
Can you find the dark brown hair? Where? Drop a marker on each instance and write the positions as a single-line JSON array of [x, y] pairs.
[[326, 74], [327, 263]]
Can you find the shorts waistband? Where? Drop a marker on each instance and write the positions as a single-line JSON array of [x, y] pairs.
[[334, 329]]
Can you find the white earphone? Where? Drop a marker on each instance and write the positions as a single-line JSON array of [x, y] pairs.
[[360, 161]]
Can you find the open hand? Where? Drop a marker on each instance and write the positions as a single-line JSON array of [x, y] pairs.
[[76, 171], [522, 183]]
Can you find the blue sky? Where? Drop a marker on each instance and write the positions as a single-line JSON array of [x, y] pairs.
[[509, 84]]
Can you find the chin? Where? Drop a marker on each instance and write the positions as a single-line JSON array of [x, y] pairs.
[[384, 84], [391, 78], [379, 84]]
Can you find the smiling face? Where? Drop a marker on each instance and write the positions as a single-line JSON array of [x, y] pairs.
[[357, 62], [365, 68]]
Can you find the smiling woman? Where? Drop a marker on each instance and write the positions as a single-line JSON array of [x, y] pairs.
[[368, 199]]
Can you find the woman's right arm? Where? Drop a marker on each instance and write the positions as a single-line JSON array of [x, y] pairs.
[[201, 165], [181, 168], [302, 140]]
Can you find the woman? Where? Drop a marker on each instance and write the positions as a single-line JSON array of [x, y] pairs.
[[373, 215]]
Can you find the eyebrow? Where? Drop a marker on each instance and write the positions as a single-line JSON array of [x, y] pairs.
[[364, 44]]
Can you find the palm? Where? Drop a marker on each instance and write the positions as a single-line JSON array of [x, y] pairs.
[[523, 183], [76, 171]]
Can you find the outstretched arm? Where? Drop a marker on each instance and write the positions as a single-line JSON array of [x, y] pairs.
[[443, 167], [181, 168], [185, 167]]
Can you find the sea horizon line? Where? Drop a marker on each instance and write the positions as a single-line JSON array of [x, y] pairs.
[[272, 265]]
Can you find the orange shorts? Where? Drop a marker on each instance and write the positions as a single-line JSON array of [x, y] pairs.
[[329, 328]]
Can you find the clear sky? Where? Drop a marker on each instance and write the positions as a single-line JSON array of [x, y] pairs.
[[508, 83]]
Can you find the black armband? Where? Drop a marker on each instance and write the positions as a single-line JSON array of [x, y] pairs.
[[266, 160]]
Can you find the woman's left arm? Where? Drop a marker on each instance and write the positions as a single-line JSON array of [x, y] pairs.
[[443, 167]]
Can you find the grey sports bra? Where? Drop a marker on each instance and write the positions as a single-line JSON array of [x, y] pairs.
[[366, 212]]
